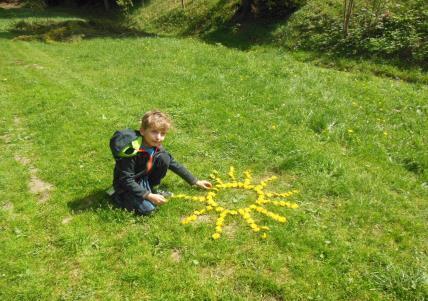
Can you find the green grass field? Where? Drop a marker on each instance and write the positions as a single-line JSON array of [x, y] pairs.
[[353, 144]]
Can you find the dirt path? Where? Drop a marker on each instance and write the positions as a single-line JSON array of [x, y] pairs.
[[10, 4], [36, 186]]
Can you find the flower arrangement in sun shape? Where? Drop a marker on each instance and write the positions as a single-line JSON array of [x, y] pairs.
[[263, 198]]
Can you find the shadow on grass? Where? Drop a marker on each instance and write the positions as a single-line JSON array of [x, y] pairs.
[[248, 35], [65, 25], [25, 13], [242, 36], [92, 202], [69, 31], [100, 203]]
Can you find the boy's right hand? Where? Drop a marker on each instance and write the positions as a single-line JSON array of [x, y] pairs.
[[156, 199]]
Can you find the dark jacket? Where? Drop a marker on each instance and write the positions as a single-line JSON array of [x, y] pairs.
[[128, 172]]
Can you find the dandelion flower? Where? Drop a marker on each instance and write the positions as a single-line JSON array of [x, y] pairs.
[[216, 236]]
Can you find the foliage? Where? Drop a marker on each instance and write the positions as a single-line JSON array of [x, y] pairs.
[[125, 4], [374, 30], [122, 4], [35, 4], [168, 17]]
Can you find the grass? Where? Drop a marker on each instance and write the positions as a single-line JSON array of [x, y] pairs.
[[212, 21], [354, 144]]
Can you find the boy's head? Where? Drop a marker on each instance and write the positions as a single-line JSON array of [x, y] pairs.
[[154, 126]]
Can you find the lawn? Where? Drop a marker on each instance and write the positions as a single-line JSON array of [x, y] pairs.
[[353, 144]]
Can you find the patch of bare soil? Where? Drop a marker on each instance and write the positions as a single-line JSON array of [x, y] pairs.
[[204, 218], [36, 66], [217, 273], [175, 255], [36, 186], [9, 4], [17, 121], [8, 206], [230, 230], [40, 188], [66, 220], [22, 160], [6, 138]]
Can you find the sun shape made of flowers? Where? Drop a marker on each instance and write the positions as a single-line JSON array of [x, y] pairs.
[[262, 198]]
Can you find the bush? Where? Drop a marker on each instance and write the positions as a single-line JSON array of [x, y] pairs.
[[400, 34]]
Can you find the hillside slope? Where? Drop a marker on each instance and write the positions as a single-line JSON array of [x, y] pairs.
[[395, 32]]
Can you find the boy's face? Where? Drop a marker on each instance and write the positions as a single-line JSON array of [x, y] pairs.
[[153, 137]]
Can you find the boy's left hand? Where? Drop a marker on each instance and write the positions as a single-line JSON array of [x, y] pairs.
[[204, 184]]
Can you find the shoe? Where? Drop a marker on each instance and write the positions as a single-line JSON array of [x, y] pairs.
[[164, 193]]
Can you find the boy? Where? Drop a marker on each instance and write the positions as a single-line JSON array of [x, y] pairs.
[[136, 176]]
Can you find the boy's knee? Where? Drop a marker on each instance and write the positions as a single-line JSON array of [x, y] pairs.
[[145, 208]]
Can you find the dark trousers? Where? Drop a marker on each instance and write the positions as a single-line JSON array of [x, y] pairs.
[[130, 202]]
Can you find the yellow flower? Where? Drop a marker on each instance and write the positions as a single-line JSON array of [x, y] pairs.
[[216, 235], [232, 173], [282, 219], [264, 236], [350, 130]]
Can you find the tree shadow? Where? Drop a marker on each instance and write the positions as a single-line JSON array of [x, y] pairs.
[[65, 25], [25, 13], [243, 36], [69, 30]]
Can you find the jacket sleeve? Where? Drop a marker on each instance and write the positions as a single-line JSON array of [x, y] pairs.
[[180, 170], [125, 169]]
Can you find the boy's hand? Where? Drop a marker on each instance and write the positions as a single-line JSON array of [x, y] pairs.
[[204, 184], [156, 199]]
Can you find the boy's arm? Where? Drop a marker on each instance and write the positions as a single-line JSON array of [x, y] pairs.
[[182, 171], [125, 174]]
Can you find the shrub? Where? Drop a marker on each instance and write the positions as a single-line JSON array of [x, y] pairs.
[[399, 33]]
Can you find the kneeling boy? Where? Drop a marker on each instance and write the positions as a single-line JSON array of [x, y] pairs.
[[135, 176]]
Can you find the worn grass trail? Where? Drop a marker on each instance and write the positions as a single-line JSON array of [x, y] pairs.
[[353, 144]]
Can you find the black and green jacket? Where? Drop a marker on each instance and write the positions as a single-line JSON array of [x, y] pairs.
[[128, 172]]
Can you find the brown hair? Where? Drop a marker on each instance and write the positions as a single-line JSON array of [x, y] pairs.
[[156, 119]]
